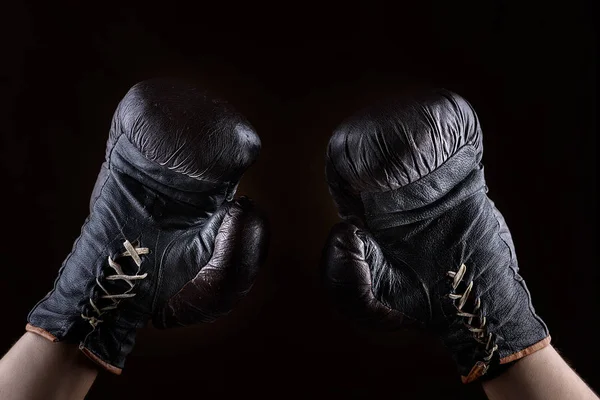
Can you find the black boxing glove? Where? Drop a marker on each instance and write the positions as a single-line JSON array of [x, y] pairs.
[[164, 239], [422, 243]]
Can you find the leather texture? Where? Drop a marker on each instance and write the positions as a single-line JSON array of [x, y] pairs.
[[174, 159], [421, 243]]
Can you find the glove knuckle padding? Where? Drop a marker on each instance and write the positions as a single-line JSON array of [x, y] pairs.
[[160, 218], [411, 172], [406, 140], [165, 130]]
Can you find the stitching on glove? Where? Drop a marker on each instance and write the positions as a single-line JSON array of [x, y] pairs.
[[479, 332], [134, 253]]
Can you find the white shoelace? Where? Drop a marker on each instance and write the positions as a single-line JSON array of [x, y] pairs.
[[478, 331], [134, 253]]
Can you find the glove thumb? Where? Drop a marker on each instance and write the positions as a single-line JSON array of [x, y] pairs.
[[349, 258], [240, 247]]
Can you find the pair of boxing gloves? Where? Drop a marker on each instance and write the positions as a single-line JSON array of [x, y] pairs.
[[421, 244]]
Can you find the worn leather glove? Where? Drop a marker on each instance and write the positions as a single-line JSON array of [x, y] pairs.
[[422, 244], [164, 240]]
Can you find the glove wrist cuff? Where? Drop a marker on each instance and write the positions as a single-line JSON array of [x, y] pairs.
[[92, 356], [527, 351], [88, 353], [485, 371], [41, 332]]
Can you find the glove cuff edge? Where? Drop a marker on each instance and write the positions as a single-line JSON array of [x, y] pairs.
[[527, 351], [108, 367], [41, 332]]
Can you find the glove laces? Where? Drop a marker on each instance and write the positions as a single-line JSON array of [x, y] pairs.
[[134, 253], [480, 332]]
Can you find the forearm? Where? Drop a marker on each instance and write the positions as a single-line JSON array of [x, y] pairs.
[[541, 375], [35, 368]]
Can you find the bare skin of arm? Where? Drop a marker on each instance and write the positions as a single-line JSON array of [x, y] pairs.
[[541, 375], [35, 368]]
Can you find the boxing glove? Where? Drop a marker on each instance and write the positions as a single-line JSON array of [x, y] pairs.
[[421, 243], [164, 240]]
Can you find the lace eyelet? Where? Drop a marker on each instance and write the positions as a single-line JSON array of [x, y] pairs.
[[131, 280], [479, 332]]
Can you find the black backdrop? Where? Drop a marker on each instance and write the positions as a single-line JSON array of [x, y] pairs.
[[296, 70]]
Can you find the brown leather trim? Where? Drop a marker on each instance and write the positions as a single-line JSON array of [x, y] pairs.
[[43, 333], [525, 352], [477, 371], [102, 363]]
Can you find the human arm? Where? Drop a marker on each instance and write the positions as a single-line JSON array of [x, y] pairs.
[[35, 368], [541, 375]]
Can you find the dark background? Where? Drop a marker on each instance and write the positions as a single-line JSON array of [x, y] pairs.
[[296, 70]]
